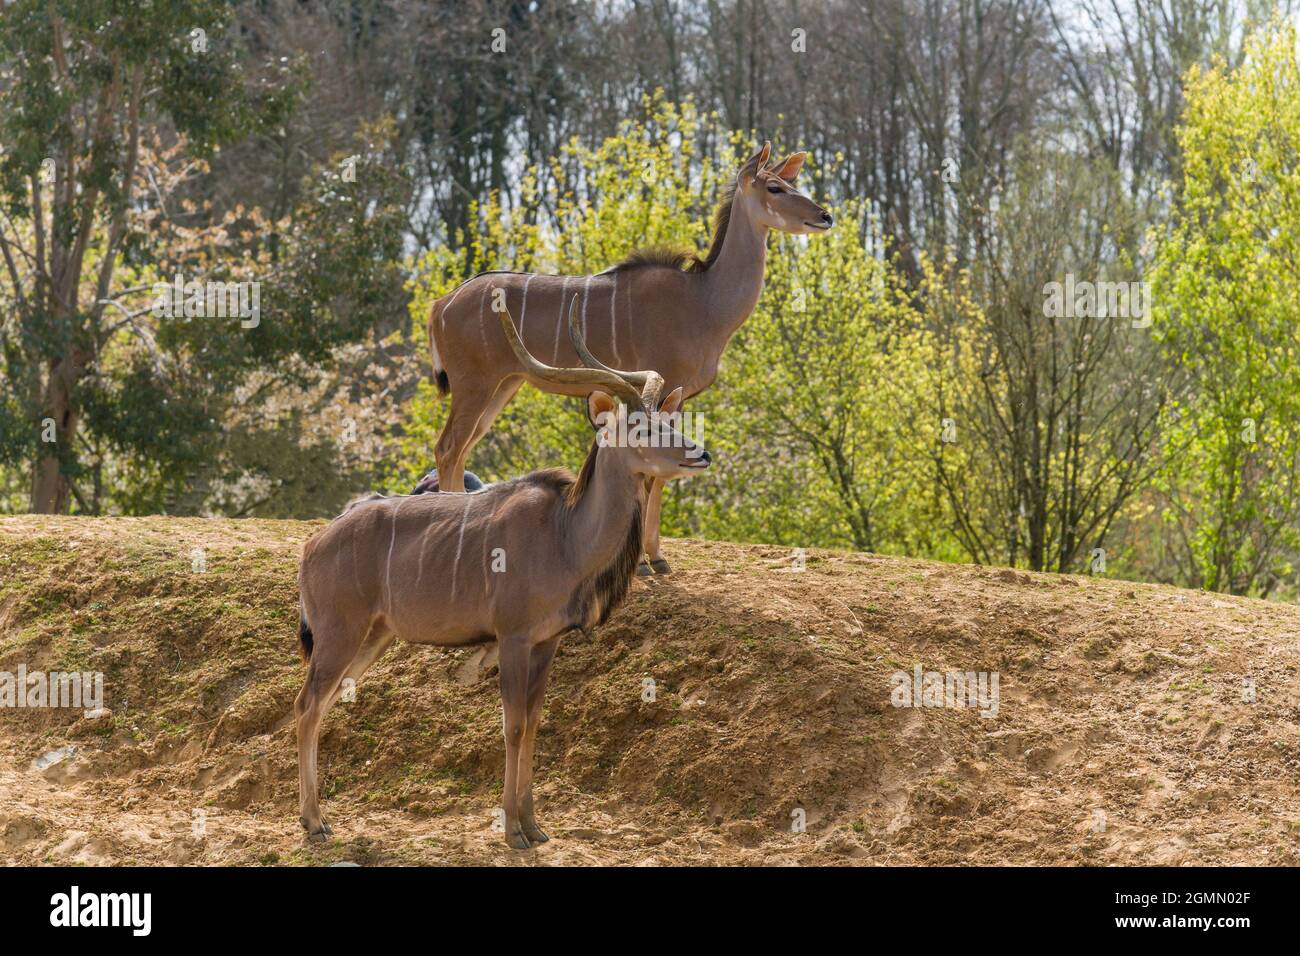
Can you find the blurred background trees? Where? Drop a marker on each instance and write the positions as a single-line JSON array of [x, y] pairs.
[[900, 387]]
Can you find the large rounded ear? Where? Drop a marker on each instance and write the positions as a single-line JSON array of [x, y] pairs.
[[600, 409], [790, 166], [672, 402], [756, 162]]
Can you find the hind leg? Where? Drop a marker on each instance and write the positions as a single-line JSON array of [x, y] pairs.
[[472, 414], [372, 648], [457, 436], [336, 646]]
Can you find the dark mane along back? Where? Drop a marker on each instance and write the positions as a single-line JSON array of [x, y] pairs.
[[672, 257], [560, 481]]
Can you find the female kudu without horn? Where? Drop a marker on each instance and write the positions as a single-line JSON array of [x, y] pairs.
[[670, 311], [520, 562]]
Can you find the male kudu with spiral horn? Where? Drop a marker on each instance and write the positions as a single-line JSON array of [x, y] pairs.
[[520, 562]]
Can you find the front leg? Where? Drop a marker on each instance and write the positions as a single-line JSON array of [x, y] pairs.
[[653, 509], [513, 664], [539, 668]]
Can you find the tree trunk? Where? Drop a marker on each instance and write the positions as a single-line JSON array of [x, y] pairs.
[[51, 493]]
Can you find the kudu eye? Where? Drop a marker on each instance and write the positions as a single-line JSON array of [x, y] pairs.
[[775, 189]]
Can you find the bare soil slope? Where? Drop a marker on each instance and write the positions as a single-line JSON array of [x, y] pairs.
[[1122, 735]]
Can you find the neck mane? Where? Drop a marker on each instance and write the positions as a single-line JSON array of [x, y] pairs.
[[676, 257], [609, 539]]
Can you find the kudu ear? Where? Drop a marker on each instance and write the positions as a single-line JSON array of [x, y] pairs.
[[599, 407], [790, 166], [756, 162], [672, 402]]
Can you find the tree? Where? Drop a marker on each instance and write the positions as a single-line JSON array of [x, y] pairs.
[[107, 108], [1055, 409], [1228, 288]]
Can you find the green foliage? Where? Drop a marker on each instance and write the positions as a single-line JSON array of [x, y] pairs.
[[814, 417], [124, 101], [1228, 284]]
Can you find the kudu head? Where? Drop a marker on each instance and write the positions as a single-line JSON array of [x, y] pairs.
[[642, 433], [773, 199]]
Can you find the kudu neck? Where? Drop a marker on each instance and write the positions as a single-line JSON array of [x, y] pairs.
[[604, 510], [735, 280]]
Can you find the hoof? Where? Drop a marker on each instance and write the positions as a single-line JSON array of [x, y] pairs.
[[661, 566], [319, 835], [517, 841], [643, 570], [535, 835]]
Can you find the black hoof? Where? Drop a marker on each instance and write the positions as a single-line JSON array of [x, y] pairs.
[[517, 841], [661, 566], [643, 570], [317, 836], [535, 835]]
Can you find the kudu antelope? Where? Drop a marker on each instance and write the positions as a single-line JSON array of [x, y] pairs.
[[670, 311], [521, 562]]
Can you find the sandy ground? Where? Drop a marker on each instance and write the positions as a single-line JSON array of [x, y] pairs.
[[1125, 731]]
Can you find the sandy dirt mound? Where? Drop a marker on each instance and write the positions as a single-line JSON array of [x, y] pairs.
[[1124, 733]]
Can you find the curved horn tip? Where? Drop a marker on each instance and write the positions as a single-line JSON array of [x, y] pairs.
[[654, 385]]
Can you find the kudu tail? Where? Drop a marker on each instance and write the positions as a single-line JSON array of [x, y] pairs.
[[305, 639], [439, 371]]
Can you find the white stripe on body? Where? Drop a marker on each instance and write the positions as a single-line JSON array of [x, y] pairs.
[[487, 587], [586, 297], [631, 342], [388, 566], [613, 321], [455, 294], [460, 543], [482, 317], [523, 309], [559, 323]]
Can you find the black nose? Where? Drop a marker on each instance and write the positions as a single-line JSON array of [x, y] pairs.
[[705, 456], [828, 218]]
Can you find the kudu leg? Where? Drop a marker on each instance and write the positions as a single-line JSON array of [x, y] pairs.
[[330, 659], [513, 665], [539, 668], [653, 510], [472, 414], [372, 648], [454, 440]]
